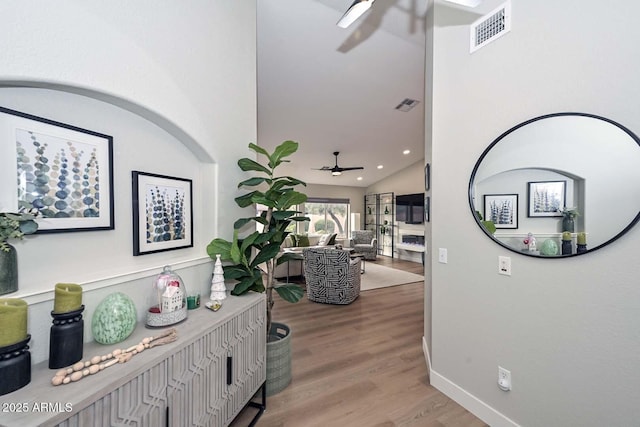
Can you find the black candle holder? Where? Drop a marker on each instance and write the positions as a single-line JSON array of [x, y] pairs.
[[66, 338], [567, 247], [581, 248], [15, 366]]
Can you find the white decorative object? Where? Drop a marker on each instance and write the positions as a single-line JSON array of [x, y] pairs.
[[167, 301], [172, 297], [218, 288]]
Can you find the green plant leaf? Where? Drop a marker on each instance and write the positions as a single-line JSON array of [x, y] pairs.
[[246, 199], [248, 241], [258, 149], [244, 285], [283, 150], [290, 293], [235, 272], [219, 246], [489, 225], [251, 165], [291, 198], [280, 215], [268, 252], [234, 250], [28, 226], [252, 182]]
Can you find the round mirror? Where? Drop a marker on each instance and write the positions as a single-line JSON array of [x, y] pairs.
[[558, 185]]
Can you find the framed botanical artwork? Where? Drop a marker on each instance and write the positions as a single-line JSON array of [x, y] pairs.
[[546, 198], [502, 209], [64, 173], [162, 213], [427, 208]]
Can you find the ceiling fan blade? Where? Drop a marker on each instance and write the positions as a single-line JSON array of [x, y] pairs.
[[324, 168], [351, 169]]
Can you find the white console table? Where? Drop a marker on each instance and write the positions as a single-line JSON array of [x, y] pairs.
[[204, 378]]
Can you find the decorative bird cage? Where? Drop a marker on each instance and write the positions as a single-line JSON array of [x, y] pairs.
[[168, 300]]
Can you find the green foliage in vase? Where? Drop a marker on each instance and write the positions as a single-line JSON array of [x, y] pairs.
[[15, 226], [569, 212], [260, 250], [490, 226]]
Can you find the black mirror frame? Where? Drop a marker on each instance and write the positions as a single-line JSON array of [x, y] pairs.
[[513, 129]]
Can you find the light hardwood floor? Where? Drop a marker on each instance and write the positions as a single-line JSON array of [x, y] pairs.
[[360, 364]]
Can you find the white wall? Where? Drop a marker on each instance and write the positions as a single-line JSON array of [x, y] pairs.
[[175, 86], [566, 328]]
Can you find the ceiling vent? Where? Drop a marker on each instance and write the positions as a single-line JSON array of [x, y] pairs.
[[407, 104], [490, 27]]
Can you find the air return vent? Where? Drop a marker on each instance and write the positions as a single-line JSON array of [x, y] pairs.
[[490, 27], [407, 104]]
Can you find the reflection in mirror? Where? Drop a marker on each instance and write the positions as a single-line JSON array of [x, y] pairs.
[[558, 185]]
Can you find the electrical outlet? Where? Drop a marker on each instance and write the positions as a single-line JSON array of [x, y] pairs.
[[504, 379], [442, 255], [504, 265]]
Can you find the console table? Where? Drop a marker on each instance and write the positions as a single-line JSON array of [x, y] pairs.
[[204, 378]]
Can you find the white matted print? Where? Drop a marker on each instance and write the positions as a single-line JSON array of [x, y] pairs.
[[63, 172], [162, 213], [546, 198], [502, 209]]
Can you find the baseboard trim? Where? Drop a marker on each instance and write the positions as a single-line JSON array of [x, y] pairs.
[[427, 356], [468, 401]]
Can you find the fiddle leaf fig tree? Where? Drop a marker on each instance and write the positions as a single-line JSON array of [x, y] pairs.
[[257, 254]]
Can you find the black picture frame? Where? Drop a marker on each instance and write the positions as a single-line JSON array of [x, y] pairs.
[[502, 209], [546, 198], [162, 213], [64, 172], [427, 177]]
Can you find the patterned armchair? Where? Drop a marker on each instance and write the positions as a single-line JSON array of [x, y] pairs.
[[364, 242], [332, 276]]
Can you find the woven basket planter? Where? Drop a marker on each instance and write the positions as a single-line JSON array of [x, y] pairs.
[[278, 358]]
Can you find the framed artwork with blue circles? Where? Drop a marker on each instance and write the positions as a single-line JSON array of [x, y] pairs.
[[64, 173], [162, 213]]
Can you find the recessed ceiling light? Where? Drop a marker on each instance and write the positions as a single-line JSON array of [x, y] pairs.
[[406, 151], [359, 178], [380, 166]]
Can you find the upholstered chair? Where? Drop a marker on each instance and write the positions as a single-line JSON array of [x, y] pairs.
[[332, 276], [364, 242]]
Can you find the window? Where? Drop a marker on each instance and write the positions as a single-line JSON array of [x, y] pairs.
[[326, 216]]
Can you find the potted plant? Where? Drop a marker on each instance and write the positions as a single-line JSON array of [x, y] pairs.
[[12, 226], [253, 258], [568, 218]]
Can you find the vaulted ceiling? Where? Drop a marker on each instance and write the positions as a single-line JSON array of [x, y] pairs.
[[334, 89]]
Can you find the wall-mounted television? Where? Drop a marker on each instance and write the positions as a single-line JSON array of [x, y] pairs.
[[410, 208]]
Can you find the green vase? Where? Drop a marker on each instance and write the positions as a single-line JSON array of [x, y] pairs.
[[567, 224], [8, 270], [114, 319]]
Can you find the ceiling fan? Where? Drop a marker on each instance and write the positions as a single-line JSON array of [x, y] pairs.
[[359, 7], [337, 170]]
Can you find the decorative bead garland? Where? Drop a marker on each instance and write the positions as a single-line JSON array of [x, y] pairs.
[[96, 364]]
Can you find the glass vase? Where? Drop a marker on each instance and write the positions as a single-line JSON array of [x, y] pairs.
[[8, 271], [567, 224]]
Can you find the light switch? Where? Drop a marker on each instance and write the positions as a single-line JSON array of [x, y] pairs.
[[442, 255]]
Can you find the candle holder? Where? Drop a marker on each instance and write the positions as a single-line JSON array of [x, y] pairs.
[[15, 366], [581, 248], [66, 338], [567, 247]]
